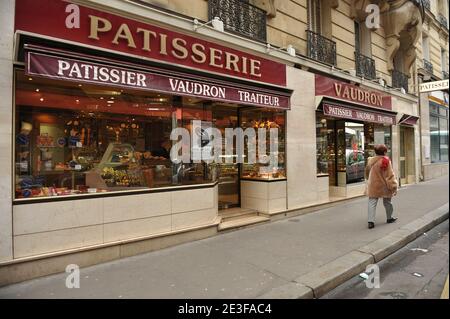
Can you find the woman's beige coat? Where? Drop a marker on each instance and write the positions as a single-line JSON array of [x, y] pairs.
[[381, 183]]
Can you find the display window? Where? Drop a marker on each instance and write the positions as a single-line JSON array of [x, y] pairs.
[[268, 119], [438, 133], [79, 139], [343, 148]]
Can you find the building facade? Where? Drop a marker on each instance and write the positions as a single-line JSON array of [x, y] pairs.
[[91, 100]]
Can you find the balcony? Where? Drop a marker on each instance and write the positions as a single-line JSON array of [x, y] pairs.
[[365, 66], [428, 66], [426, 4], [321, 49], [399, 80], [444, 75], [443, 21], [240, 17]]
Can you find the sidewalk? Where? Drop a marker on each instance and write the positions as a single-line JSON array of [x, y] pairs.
[[246, 263]]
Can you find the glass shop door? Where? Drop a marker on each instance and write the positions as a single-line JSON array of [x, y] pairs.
[[225, 116]]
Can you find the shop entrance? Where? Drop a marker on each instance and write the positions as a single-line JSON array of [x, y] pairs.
[[407, 161], [227, 116]]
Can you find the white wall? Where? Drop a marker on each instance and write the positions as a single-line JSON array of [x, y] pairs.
[[61, 225], [6, 77], [301, 140]]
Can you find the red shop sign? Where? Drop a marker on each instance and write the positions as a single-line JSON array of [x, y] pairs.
[[71, 22], [329, 87], [96, 73], [356, 114]]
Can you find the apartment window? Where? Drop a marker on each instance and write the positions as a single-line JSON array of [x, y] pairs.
[[314, 20], [438, 133], [363, 39], [426, 47], [444, 60]]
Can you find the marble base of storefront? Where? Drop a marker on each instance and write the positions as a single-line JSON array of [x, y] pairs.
[[23, 269], [434, 170]]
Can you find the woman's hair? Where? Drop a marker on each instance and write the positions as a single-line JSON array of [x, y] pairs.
[[380, 149]]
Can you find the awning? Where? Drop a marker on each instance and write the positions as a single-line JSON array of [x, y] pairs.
[[357, 114], [409, 120], [81, 68]]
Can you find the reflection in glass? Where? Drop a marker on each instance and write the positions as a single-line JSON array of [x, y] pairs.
[[268, 119], [80, 138], [354, 135]]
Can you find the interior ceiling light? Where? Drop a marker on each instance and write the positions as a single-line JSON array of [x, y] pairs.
[[94, 92]]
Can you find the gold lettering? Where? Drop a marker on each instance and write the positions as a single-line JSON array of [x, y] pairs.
[[338, 88], [244, 65], [354, 93], [95, 26], [163, 43], [213, 57], [346, 94], [124, 33], [367, 97], [255, 65], [380, 100], [180, 51], [360, 96], [147, 34], [198, 53], [231, 59]]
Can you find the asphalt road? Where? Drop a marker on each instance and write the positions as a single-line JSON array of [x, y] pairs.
[[417, 271]]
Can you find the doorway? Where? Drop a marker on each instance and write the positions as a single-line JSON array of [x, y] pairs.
[[227, 116], [407, 158]]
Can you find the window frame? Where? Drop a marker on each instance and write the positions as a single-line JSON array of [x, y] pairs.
[[435, 113]]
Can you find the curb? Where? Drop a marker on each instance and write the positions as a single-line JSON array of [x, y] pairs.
[[320, 281]]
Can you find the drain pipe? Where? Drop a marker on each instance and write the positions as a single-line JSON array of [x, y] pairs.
[[421, 177]]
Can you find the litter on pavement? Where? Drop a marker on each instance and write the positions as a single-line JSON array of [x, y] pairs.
[[364, 275], [420, 249]]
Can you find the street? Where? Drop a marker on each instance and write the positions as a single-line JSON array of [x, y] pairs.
[[250, 262], [417, 271]]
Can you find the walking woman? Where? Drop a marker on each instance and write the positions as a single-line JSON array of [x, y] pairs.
[[381, 183]]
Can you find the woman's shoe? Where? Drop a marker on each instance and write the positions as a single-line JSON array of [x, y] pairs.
[[371, 225], [391, 220]]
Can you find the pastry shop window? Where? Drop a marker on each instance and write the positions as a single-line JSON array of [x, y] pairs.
[[79, 138], [253, 117], [343, 148], [377, 134]]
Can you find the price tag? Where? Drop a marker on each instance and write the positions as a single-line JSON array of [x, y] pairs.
[[23, 166], [79, 144], [78, 167]]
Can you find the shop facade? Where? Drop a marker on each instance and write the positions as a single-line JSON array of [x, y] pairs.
[[350, 121], [96, 102], [434, 131], [93, 107]]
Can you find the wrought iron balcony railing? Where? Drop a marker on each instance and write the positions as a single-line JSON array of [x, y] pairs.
[[399, 80], [426, 4], [443, 20], [320, 48], [444, 75], [365, 66], [427, 65], [240, 17]]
